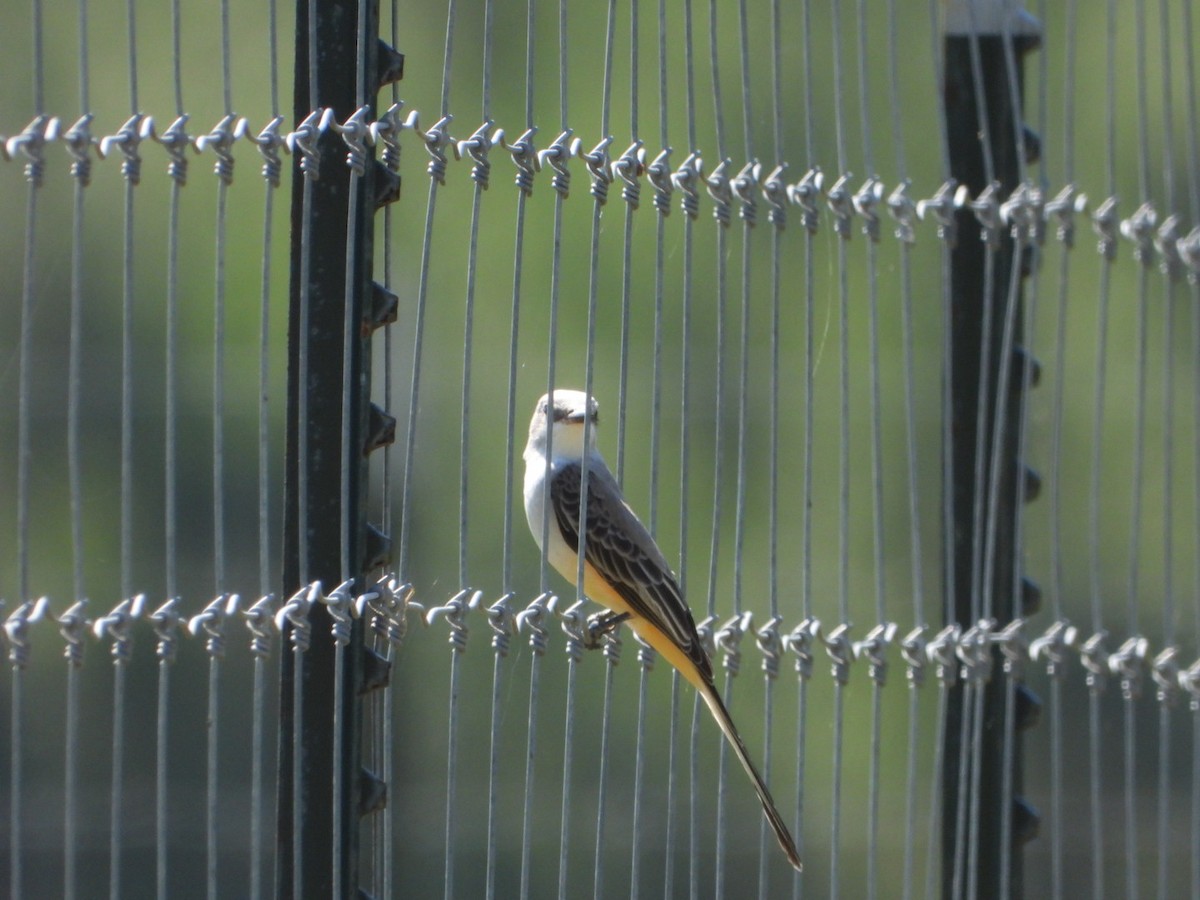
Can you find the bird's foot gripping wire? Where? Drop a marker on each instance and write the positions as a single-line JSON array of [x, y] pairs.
[[601, 624]]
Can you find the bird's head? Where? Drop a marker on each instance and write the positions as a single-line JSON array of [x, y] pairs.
[[566, 416]]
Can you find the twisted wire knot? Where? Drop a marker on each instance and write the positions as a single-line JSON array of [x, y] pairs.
[[659, 173], [390, 602], [503, 622], [1051, 648], [175, 141], [721, 192], [629, 167], [16, 629], [269, 142], [685, 179], [775, 191], [385, 133], [340, 602], [597, 163], [841, 204], [914, 650], [73, 625], [1165, 672], [903, 211], [525, 157], [574, 625], [31, 144], [729, 639], [974, 653], [704, 630], [1189, 681], [1128, 663], [1106, 224], [745, 185], [1189, 253], [80, 142], [166, 621], [211, 621], [128, 140], [646, 655], [295, 613], [533, 618], [874, 649], [1166, 242], [1138, 229], [1064, 207], [986, 208], [478, 146], [118, 625], [355, 134], [557, 155], [1024, 213], [260, 620], [941, 208], [801, 642], [806, 194], [1014, 647], [221, 139], [770, 644], [454, 612], [1093, 655], [942, 652], [305, 140], [866, 203], [841, 652]]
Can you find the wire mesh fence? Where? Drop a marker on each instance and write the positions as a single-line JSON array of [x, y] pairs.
[[898, 371]]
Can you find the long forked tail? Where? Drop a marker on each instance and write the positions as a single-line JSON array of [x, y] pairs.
[[717, 706]]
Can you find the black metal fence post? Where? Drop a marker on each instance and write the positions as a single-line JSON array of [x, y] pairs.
[[971, 291], [343, 30]]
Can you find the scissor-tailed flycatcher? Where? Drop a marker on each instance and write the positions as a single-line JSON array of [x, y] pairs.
[[624, 569]]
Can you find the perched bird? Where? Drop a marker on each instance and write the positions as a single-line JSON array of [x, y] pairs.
[[624, 570]]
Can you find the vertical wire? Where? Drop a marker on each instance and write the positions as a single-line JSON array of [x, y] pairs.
[[1056, 456], [839, 692], [71, 779], [770, 663], [612, 641], [81, 171], [299, 646], [409, 484], [131, 174], [981, 594], [949, 588], [350, 451], [627, 258], [535, 658], [646, 656], [748, 214], [271, 181], [218, 487], [1170, 272], [806, 400], [1141, 329], [1193, 160], [1094, 496], [551, 363], [914, 517], [684, 455], [1022, 246], [876, 453]]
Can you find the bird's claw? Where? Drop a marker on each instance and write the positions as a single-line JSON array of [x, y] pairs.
[[601, 624]]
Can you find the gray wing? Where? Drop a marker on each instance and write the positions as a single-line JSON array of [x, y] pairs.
[[621, 549]]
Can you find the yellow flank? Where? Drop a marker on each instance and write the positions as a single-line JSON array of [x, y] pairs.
[[598, 589]]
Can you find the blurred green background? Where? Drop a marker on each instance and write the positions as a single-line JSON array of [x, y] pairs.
[[1165, 566]]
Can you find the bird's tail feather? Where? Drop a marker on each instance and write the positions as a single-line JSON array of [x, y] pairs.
[[717, 706]]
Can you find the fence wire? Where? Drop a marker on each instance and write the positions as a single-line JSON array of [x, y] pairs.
[[766, 320]]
